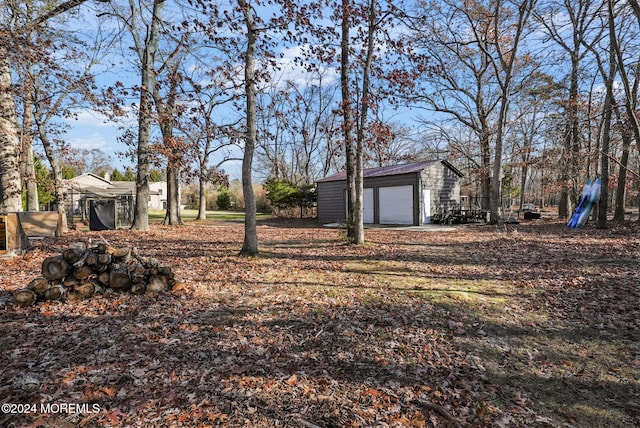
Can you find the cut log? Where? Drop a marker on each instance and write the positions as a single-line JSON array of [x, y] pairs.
[[103, 278], [137, 270], [157, 284], [92, 258], [98, 288], [121, 254], [138, 288], [38, 285], [73, 296], [83, 272], [55, 267], [55, 292], [119, 279], [99, 268], [69, 281], [148, 262], [178, 286], [104, 259], [85, 288], [74, 253], [83, 258], [24, 297]]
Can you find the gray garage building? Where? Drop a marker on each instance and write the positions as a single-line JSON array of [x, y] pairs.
[[400, 194]]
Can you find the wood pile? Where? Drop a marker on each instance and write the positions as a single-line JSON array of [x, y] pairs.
[[82, 271]]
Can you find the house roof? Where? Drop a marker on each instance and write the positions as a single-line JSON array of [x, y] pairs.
[[97, 186], [89, 179], [391, 170]]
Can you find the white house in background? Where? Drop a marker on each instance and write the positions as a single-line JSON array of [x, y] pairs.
[[158, 195], [98, 187]]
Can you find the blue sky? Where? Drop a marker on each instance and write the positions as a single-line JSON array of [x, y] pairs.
[[93, 131]]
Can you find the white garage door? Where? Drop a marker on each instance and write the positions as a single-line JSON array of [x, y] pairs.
[[396, 205], [368, 205]]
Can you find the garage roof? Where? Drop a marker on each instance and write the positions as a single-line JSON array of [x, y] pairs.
[[391, 170]]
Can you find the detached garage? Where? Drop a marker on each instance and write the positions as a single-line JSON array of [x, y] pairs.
[[400, 194]]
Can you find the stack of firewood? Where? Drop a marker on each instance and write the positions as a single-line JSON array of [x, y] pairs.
[[83, 270]]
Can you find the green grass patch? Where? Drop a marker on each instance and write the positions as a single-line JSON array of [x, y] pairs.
[[190, 215]]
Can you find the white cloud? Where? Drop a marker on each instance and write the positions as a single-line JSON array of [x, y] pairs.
[[93, 140], [293, 71], [91, 118]]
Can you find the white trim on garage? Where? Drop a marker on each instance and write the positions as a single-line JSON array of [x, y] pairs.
[[426, 206], [368, 206]]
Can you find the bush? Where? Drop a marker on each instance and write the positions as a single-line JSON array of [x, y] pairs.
[[224, 200], [285, 196]]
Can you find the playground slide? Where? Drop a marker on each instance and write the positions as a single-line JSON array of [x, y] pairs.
[[594, 195], [590, 194]]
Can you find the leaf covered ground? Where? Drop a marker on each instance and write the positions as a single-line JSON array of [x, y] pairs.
[[519, 326]]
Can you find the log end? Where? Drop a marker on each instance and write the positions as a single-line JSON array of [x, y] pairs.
[[157, 284], [24, 297]]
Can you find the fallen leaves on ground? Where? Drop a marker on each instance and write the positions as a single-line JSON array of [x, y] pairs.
[[481, 326]]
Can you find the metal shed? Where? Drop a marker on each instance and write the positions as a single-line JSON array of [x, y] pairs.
[[401, 194]]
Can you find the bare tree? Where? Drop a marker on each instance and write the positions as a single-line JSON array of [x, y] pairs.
[[461, 88], [250, 244], [143, 21], [172, 148], [584, 32], [508, 30], [204, 135], [12, 49]]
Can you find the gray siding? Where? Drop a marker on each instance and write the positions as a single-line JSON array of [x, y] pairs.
[[444, 185], [331, 201]]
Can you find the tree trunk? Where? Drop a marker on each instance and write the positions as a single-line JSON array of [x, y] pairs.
[[172, 216], [202, 199], [347, 118], [27, 158], [29, 177], [10, 183], [250, 244], [609, 102], [358, 219], [485, 176], [630, 90], [147, 87], [505, 66], [622, 178], [57, 175], [10, 190]]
